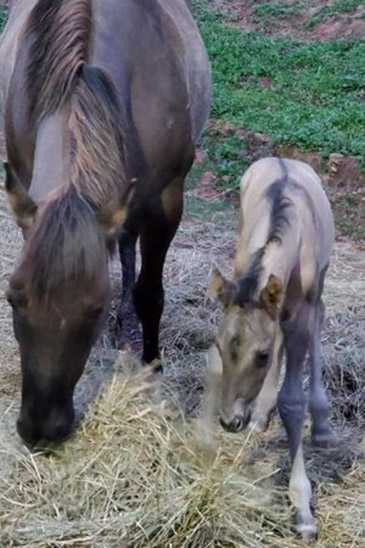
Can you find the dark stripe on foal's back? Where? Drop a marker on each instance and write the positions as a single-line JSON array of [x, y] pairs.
[[247, 284], [280, 204]]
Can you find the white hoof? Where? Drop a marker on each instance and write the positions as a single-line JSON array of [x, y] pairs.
[[306, 527]]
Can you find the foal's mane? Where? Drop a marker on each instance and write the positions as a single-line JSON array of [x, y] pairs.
[[58, 78], [280, 221]]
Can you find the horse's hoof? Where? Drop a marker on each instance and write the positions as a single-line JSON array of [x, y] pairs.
[[156, 366], [324, 439]]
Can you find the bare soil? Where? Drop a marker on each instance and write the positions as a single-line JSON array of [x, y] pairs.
[[347, 25]]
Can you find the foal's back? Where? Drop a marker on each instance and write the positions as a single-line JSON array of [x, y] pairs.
[[292, 190]]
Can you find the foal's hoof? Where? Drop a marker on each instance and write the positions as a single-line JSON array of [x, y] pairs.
[[306, 527], [324, 439], [308, 533], [260, 422], [259, 426]]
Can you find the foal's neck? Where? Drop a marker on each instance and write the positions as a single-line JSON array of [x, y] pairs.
[[280, 256]]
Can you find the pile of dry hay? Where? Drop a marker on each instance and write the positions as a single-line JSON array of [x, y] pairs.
[[134, 476]]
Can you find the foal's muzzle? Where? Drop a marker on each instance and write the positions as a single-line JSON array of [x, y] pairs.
[[238, 423]]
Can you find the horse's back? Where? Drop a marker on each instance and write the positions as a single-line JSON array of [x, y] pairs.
[[9, 44], [153, 52], [195, 61]]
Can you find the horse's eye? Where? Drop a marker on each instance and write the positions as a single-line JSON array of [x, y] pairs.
[[11, 300], [16, 299], [263, 358]]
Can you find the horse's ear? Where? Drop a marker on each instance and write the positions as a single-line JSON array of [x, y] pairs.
[[271, 296], [112, 217], [23, 207], [221, 289]]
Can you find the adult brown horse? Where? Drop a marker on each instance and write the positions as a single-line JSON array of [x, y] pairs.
[[104, 105]]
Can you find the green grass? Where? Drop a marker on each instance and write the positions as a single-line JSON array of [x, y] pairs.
[[349, 214], [3, 18], [313, 101], [274, 10], [336, 8]]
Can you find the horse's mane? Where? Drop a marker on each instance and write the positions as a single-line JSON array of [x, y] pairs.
[[59, 32], [58, 77], [66, 247]]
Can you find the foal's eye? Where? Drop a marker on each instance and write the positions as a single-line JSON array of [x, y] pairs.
[[262, 358]]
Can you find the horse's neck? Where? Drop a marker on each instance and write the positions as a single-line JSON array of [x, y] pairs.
[[48, 169]]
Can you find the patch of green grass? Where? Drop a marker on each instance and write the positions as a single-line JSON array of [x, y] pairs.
[[338, 7], [274, 10], [3, 18], [349, 214], [313, 101], [198, 207], [225, 152]]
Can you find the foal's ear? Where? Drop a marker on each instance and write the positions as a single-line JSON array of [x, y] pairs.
[[271, 296], [221, 289], [23, 207]]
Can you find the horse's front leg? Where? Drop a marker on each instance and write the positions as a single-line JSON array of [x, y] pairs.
[[292, 410], [267, 398], [160, 223]]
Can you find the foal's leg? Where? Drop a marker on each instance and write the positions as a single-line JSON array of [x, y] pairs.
[[159, 226], [322, 434], [292, 410], [128, 330], [267, 398]]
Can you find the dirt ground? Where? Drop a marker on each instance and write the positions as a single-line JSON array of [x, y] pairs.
[[341, 25]]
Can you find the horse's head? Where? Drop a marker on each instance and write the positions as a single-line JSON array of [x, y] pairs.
[[59, 293], [245, 343], [55, 338]]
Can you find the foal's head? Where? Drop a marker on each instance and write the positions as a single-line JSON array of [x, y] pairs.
[[245, 343]]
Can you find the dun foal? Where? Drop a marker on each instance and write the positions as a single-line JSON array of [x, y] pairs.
[[275, 304]]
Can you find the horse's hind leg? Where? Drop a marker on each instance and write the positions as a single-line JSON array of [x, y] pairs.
[[128, 329], [267, 398], [292, 410], [322, 434], [160, 223]]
